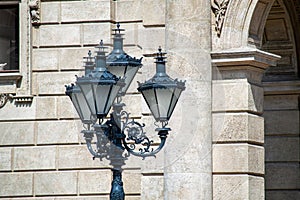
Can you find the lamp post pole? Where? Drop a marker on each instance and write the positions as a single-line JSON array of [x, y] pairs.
[[106, 80]]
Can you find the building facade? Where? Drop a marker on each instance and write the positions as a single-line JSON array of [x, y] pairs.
[[235, 130]]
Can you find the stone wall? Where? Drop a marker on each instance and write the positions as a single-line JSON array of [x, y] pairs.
[[281, 113], [231, 138], [43, 154]]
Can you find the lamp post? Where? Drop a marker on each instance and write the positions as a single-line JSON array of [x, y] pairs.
[[106, 80]]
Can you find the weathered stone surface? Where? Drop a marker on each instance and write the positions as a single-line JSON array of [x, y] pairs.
[[133, 9], [282, 148], [95, 182], [61, 132], [150, 38], [152, 187], [238, 127], [50, 12], [130, 36], [132, 181], [46, 107], [281, 122], [52, 82], [187, 185], [5, 157], [232, 158], [237, 95], [16, 184], [11, 112], [35, 110], [133, 162], [282, 176], [17, 133], [57, 35], [78, 156], [63, 58], [55, 183], [133, 105], [237, 187], [281, 102], [282, 194], [66, 109], [72, 58], [45, 59], [94, 32], [93, 10], [154, 12], [30, 158], [256, 187]]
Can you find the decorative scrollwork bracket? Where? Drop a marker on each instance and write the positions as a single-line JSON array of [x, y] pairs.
[[34, 11]]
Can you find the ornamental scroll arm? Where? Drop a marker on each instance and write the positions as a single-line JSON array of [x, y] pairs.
[[34, 11], [219, 8]]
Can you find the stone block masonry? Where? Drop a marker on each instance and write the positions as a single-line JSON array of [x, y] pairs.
[[238, 128]]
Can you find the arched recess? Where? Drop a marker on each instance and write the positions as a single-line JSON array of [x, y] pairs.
[[242, 25], [278, 32], [280, 35]]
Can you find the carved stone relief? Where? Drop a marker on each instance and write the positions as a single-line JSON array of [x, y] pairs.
[[219, 7], [3, 99], [20, 101], [34, 11]]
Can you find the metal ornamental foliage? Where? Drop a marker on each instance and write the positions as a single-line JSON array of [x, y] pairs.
[[219, 7]]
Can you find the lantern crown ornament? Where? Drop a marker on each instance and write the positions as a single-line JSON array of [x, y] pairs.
[[120, 63]]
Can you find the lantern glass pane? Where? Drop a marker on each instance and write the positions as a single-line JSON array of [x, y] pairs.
[[175, 97], [128, 72], [101, 93], [150, 99], [129, 75], [164, 97], [87, 91], [119, 71], [113, 94], [82, 107]]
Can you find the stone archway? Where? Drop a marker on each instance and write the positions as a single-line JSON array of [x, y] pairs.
[[281, 102], [238, 94]]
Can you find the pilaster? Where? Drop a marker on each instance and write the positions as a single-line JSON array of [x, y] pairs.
[[188, 154], [238, 127]]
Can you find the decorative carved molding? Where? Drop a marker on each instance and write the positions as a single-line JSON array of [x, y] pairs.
[[219, 7], [34, 11], [3, 99], [18, 100], [23, 99]]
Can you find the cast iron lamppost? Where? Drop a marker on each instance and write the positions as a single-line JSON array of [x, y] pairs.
[[106, 80]]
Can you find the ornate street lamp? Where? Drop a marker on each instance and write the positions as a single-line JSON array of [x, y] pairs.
[[94, 94]]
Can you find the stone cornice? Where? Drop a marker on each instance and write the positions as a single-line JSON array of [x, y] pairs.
[[242, 63], [244, 57]]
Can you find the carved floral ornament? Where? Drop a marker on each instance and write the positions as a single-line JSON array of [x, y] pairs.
[[219, 7], [34, 11]]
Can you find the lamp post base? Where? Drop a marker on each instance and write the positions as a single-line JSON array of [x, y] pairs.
[[117, 191]]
